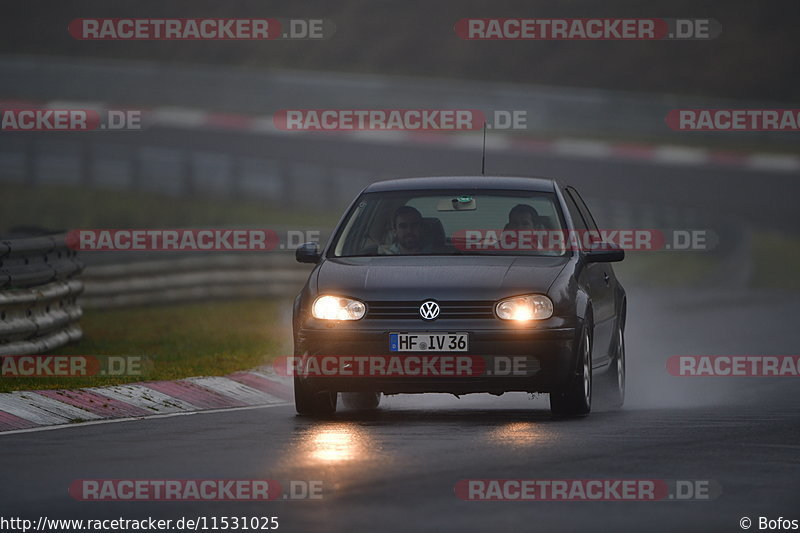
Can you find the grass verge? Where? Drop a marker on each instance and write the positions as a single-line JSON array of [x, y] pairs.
[[62, 207], [776, 261], [666, 269], [214, 338]]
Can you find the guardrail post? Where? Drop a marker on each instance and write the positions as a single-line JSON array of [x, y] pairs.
[[288, 188], [87, 164], [236, 177], [136, 168], [332, 186], [187, 164], [31, 155]]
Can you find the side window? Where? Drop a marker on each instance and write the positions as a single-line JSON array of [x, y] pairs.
[[574, 212], [354, 235]]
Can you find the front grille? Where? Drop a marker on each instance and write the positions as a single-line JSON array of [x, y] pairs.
[[410, 310]]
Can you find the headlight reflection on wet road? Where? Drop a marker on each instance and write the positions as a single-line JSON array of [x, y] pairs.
[[520, 434], [336, 443]]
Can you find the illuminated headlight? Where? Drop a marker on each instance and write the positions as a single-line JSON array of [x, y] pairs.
[[336, 308], [521, 308]]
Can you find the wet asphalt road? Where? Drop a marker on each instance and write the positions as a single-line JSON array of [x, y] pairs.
[[395, 470]]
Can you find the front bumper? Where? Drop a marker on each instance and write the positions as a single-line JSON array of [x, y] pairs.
[[549, 349]]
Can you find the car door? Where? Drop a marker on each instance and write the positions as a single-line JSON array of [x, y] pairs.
[[599, 283]]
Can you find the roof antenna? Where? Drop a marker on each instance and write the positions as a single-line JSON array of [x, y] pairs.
[[483, 156]]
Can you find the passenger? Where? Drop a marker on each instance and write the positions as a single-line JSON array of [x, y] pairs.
[[522, 219]]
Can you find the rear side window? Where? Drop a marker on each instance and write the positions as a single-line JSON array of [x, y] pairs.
[[581, 216], [574, 212], [587, 215]]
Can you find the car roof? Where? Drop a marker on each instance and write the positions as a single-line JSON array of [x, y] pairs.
[[465, 182]]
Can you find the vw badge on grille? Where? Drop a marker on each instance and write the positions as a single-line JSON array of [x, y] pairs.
[[429, 310]]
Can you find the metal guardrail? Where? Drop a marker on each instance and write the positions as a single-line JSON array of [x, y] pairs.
[[36, 261], [38, 295], [192, 278]]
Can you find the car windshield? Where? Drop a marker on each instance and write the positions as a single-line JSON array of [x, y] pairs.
[[452, 222]]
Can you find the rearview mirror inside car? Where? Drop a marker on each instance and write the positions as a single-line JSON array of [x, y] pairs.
[[459, 203]]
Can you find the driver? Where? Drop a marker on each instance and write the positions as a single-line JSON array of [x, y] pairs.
[[523, 216], [407, 226]]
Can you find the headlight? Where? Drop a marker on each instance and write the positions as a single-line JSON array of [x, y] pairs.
[[521, 308], [336, 308]]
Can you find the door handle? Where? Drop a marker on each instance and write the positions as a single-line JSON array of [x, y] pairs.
[[606, 278]]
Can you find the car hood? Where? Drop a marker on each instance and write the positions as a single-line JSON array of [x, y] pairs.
[[437, 277]]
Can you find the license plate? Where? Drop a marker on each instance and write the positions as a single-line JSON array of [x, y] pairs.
[[428, 342]]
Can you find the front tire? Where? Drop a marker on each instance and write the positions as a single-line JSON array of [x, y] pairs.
[[312, 403], [577, 399]]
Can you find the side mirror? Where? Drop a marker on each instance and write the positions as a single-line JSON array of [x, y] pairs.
[[605, 252], [308, 252]]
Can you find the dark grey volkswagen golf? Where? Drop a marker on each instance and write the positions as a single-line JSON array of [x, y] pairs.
[[460, 285]]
